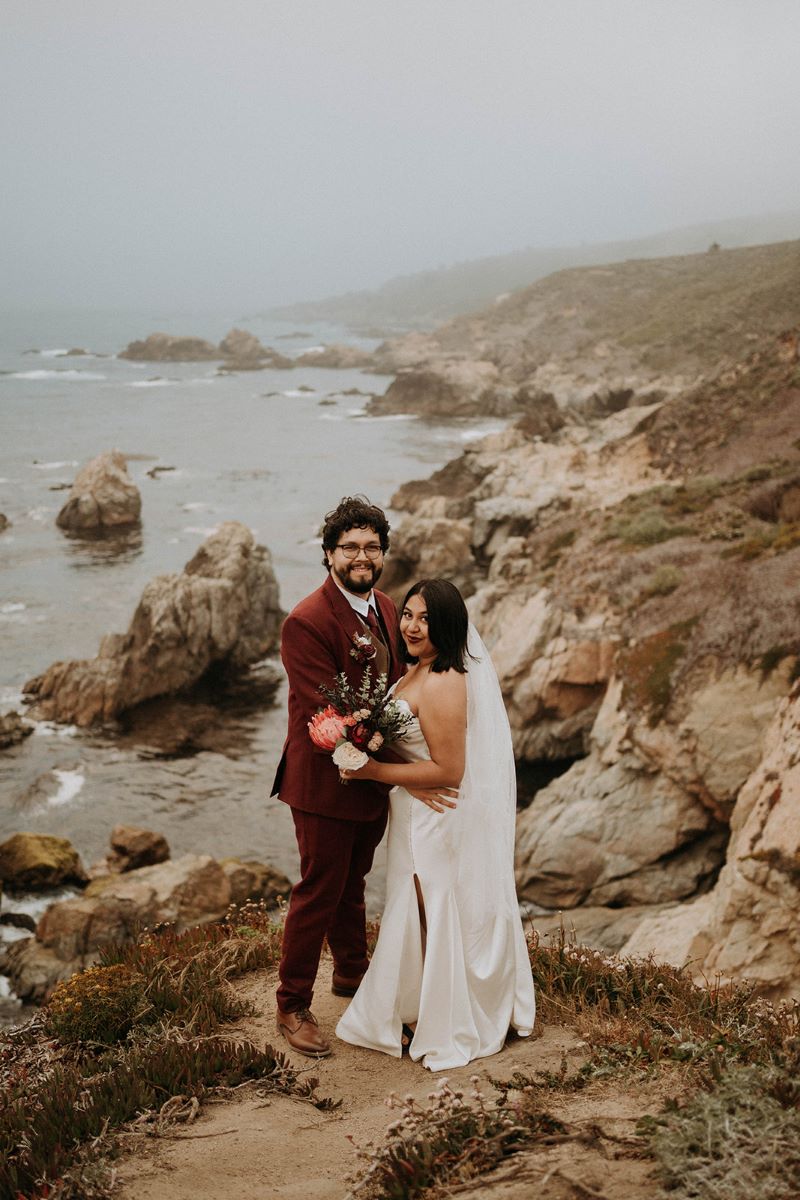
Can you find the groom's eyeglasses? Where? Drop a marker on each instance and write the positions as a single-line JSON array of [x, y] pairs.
[[351, 550]]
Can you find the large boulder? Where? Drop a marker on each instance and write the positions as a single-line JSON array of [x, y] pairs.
[[255, 881], [164, 347], [31, 862], [222, 610], [243, 351], [132, 848], [450, 389], [103, 496]]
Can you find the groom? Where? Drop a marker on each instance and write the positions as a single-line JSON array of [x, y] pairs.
[[342, 626]]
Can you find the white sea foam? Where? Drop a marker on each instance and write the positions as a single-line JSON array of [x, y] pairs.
[[52, 728], [298, 395], [40, 515], [389, 416], [53, 353], [312, 350], [54, 466], [12, 607], [150, 383], [70, 375], [196, 505], [70, 783], [10, 698], [199, 529], [327, 416]]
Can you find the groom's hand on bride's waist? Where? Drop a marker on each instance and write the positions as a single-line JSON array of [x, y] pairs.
[[436, 798]]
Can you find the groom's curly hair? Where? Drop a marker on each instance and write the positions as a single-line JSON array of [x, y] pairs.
[[353, 512]]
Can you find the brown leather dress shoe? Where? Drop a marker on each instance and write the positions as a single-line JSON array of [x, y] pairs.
[[342, 986], [302, 1032]]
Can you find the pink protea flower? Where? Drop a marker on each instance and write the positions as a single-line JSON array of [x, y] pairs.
[[326, 728]]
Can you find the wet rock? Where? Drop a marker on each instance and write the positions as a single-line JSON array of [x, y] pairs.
[[31, 862], [222, 611], [13, 730], [18, 920], [164, 347], [4, 522], [132, 848], [32, 969], [103, 496], [254, 881]]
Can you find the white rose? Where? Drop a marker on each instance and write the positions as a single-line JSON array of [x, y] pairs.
[[349, 758]]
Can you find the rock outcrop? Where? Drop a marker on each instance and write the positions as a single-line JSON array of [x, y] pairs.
[[639, 597], [338, 357], [34, 862], [165, 347], [103, 496], [13, 730], [243, 351], [222, 611], [132, 848], [191, 890], [447, 389], [752, 928], [117, 907]]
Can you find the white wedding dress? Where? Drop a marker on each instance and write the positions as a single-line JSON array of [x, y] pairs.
[[473, 982]]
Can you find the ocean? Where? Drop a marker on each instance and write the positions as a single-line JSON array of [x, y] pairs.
[[273, 449]]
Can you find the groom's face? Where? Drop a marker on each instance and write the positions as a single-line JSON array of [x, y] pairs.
[[357, 560]]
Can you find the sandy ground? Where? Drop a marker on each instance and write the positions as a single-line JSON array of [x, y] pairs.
[[250, 1147]]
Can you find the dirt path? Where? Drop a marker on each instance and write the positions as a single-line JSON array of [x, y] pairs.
[[249, 1148]]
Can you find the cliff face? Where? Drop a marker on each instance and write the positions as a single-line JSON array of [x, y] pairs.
[[646, 327], [637, 578]]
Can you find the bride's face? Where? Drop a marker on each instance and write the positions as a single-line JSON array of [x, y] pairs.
[[414, 628]]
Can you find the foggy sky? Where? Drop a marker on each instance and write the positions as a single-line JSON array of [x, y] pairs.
[[200, 154]]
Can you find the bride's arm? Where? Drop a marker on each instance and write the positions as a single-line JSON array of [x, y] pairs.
[[443, 719]]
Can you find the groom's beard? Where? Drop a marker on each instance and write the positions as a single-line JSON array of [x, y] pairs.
[[360, 582]]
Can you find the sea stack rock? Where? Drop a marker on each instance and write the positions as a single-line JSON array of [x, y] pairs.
[[163, 347], [222, 610], [103, 496]]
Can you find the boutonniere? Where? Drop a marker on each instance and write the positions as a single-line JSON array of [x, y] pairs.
[[363, 649]]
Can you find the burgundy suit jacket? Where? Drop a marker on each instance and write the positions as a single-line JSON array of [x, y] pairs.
[[316, 641]]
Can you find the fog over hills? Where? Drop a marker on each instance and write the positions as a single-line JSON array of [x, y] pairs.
[[426, 298]]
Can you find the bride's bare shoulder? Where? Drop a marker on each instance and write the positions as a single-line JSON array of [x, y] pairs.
[[444, 687]]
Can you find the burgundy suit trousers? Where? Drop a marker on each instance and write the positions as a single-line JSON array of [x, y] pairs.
[[335, 858]]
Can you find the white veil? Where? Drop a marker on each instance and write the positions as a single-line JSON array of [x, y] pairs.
[[487, 799]]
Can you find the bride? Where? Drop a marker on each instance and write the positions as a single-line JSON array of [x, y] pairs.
[[450, 972]]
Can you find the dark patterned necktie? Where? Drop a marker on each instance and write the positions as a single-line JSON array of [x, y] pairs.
[[373, 625]]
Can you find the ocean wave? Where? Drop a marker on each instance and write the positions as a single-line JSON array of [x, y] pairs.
[[54, 466], [67, 374], [70, 784], [361, 412], [197, 506], [53, 353], [148, 383]]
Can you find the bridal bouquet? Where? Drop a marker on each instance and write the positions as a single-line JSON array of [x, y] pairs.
[[357, 721]]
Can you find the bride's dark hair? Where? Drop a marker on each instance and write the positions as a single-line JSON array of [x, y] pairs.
[[448, 623]]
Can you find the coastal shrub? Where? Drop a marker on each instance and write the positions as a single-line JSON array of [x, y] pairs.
[[101, 1004], [42, 1128], [442, 1144], [168, 992], [736, 1139], [664, 580], [647, 668], [646, 528]]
